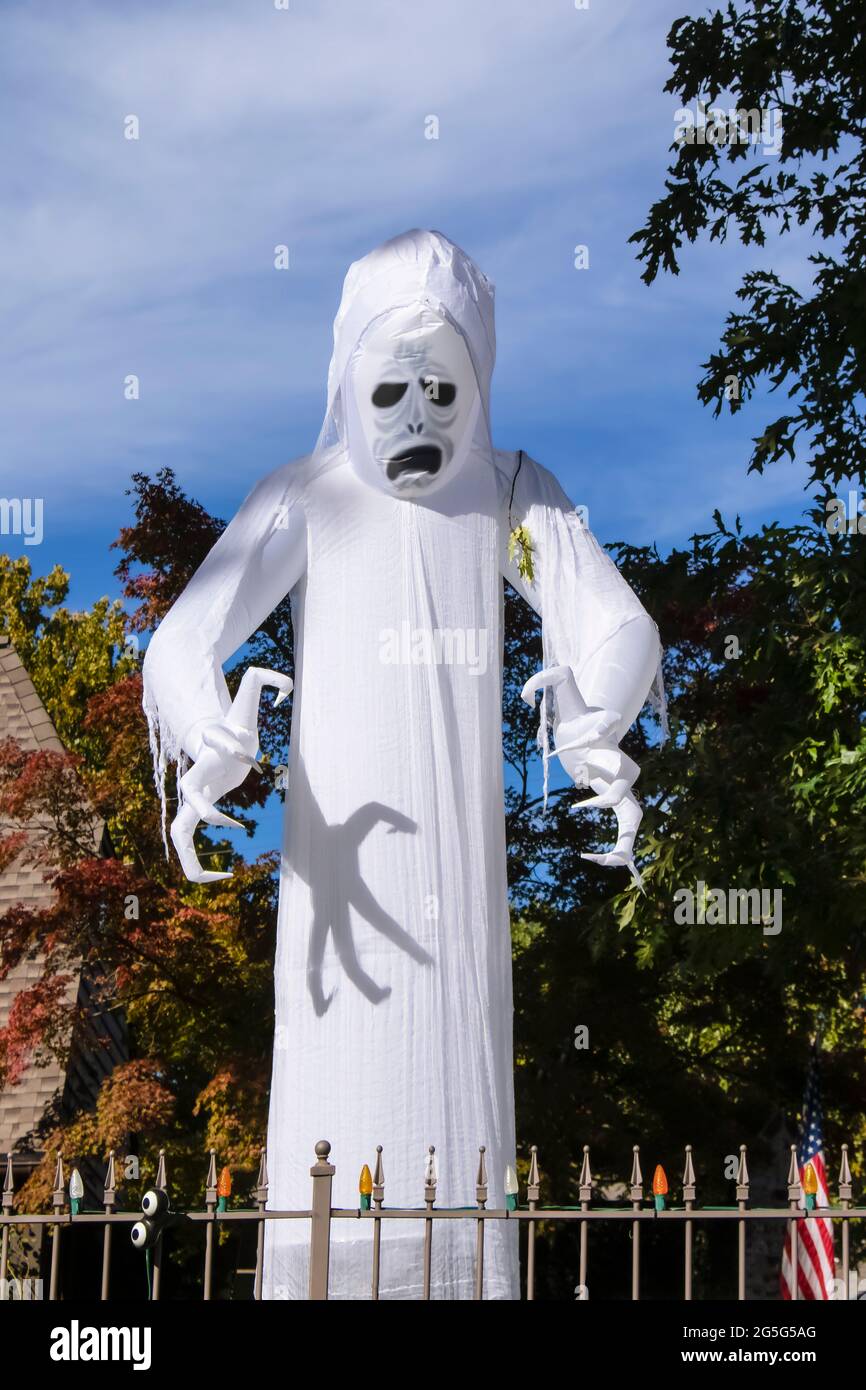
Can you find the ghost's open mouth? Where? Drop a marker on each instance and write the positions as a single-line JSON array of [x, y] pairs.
[[423, 459]]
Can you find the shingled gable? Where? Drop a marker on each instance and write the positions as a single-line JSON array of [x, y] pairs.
[[47, 1090]]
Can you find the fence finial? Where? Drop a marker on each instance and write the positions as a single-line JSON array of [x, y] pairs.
[[742, 1176], [109, 1187], [689, 1180], [585, 1194], [58, 1196], [210, 1195], [378, 1176], [8, 1186], [322, 1168], [161, 1183], [845, 1188], [534, 1183], [430, 1175], [793, 1177], [636, 1182], [481, 1179], [260, 1193]]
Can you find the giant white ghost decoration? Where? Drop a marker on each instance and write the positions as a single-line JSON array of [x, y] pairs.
[[393, 965]]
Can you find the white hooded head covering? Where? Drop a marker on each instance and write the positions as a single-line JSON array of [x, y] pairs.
[[416, 267], [399, 301]]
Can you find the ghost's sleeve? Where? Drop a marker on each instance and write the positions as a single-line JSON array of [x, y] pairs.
[[592, 621], [257, 560]]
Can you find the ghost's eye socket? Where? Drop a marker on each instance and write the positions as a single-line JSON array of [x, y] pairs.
[[389, 393], [439, 392]]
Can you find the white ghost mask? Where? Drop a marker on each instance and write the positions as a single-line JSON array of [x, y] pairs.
[[412, 402]]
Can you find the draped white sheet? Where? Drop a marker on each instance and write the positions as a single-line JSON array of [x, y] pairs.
[[393, 968]]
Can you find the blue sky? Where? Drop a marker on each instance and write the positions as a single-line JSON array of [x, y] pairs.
[[261, 126]]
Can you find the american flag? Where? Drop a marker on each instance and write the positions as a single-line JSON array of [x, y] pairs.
[[815, 1264]]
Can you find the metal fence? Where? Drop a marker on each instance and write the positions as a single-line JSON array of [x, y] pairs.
[[633, 1214]]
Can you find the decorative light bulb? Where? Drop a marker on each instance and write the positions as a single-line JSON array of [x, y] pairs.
[[660, 1187]]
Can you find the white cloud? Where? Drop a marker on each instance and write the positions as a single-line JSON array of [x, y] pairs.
[[261, 126]]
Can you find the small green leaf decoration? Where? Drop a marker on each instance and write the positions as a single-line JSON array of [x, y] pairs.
[[520, 544]]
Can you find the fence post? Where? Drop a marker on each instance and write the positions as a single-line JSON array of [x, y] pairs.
[[6, 1204], [689, 1185], [481, 1199], [845, 1194], [636, 1196], [742, 1201], [585, 1196], [533, 1192], [210, 1201], [378, 1199], [109, 1195], [794, 1191], [161, 1185], [430, 1183], [322, 1173], [260, 1196], [58, 1201]]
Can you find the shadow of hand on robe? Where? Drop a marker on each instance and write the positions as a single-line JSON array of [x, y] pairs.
[[339, 886]]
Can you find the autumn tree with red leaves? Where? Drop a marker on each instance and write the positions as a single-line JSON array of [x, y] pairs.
[[190, 969]]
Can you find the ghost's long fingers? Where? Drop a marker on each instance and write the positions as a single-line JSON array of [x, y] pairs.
[[182, 837], [244, 711], [628, 816], [561, 679]]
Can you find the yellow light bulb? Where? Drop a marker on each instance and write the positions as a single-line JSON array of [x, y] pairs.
[[365, 1182]]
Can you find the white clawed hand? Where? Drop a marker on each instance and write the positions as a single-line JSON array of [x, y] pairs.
[[586, 744], [229, 753]]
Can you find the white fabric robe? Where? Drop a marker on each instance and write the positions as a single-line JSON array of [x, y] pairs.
[[393, 967]]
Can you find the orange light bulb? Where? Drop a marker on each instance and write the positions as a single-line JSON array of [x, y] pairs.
[[810, 1181], [660, 1182], [224, 1186], [365, 1182]]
